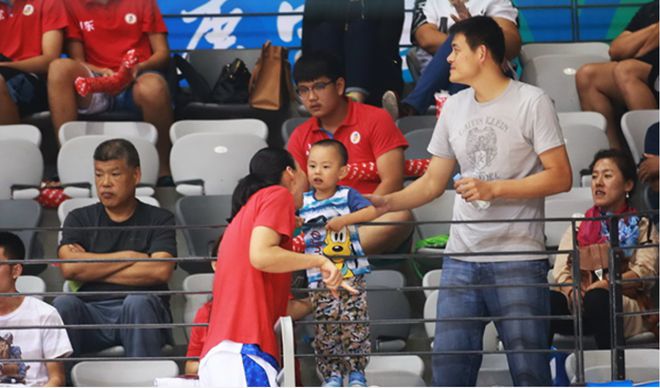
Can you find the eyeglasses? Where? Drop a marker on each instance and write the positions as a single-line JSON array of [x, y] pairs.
[[303, 91]]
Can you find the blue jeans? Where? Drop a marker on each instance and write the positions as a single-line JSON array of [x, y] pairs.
[[462, 370], [131, 309], [434, 78]]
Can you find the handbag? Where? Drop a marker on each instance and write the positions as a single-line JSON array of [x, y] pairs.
[[232, 85], [270, 84]]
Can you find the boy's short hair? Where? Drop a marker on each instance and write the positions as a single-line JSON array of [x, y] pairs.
[[480, 30], [12, 245], [117, 149], [315, 65], [341, 149]]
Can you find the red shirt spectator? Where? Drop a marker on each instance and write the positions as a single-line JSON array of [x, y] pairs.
[[366, 132], [247, 302], [198, 333], [22, 26], [109, 30]]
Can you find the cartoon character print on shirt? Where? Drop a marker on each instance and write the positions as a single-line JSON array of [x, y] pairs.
[[339, 244], [11, 372]]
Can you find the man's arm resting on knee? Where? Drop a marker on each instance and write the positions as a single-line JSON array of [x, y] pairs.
[[51, 49], [55, 374], [144, 273], [423, 190], [390, 171], [76, 51], [159, 57], [556, 177], [629, 44], [512, 40], [87, 272], [429, 38]]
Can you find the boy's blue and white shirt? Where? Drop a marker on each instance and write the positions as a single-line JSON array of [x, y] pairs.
[[316, 213]]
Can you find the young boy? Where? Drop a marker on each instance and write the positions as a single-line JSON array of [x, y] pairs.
[[329, 212]]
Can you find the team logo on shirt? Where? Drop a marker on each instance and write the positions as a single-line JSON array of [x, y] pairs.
[[355, 137], [130, 18], [28, 9]]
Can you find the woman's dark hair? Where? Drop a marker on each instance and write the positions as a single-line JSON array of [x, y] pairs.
[[266, 168], [622, 160]]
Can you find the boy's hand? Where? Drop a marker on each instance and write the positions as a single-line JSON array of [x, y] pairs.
[[335, 224], [299, 222]]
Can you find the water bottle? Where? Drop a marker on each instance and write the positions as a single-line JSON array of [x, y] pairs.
[[479, 204]]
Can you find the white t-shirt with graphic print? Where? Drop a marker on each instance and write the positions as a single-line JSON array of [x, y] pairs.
[[498, 139], [36, 343]]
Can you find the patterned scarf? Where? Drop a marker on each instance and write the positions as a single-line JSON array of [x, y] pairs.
[[595, 232]]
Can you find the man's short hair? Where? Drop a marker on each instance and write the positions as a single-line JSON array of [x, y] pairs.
[[12, 245], [480, 30], [315, 65], [339, 146], [117, 149]]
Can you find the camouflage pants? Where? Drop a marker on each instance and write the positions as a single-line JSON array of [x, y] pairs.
[[341, 338]]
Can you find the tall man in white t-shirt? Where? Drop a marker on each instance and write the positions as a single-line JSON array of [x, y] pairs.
[[25, 344], [507, 141]]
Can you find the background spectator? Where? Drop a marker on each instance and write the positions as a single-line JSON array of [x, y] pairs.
[[626, 82], [117, 170], [27, 344]]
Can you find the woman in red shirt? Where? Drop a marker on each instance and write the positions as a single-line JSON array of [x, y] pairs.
[[252, 281]]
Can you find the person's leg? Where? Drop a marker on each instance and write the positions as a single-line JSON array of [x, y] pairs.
[[62, 98], [356, 337], [458, 370], [151, 94], [327, 338], [74, 311], [385, 238], [599, 92], [559, 306], [434, 78], [143, 309], [359, 38], [8, 109], [631, 77], [523, 334]]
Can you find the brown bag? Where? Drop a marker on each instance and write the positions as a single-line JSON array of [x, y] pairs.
[[270, 84]]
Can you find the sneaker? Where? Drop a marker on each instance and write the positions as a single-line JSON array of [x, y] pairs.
[[390, 103], [357, 379], [333, 381]]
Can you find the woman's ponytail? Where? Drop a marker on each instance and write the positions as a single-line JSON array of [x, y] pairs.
[[266, 168]]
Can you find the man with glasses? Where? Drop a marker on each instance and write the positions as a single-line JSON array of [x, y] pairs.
[[368, 133]]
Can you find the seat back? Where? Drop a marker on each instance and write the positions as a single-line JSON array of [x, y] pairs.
[[197, 283], [23, 213], [21, 131], [209, 63], [121, 373], [232, 126], [132, 129], [431, 279], [289, 125], [21, 169], [641, 365], [418, 142], [563, 205], [410, 123], [440, 209], [75, 165], [30, 283], [634, 125], [582, 143], [212, 163], [387, 304], [530, 51], [202, 210], [555, 74]]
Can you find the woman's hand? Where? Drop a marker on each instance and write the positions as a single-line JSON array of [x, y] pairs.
[[599, 284], [333, 279]]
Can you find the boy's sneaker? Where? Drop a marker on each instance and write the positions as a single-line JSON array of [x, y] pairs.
[[357, 379], [333, 381]]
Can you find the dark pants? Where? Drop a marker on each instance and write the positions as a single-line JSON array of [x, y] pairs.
[[595, 319], [131, 309]]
